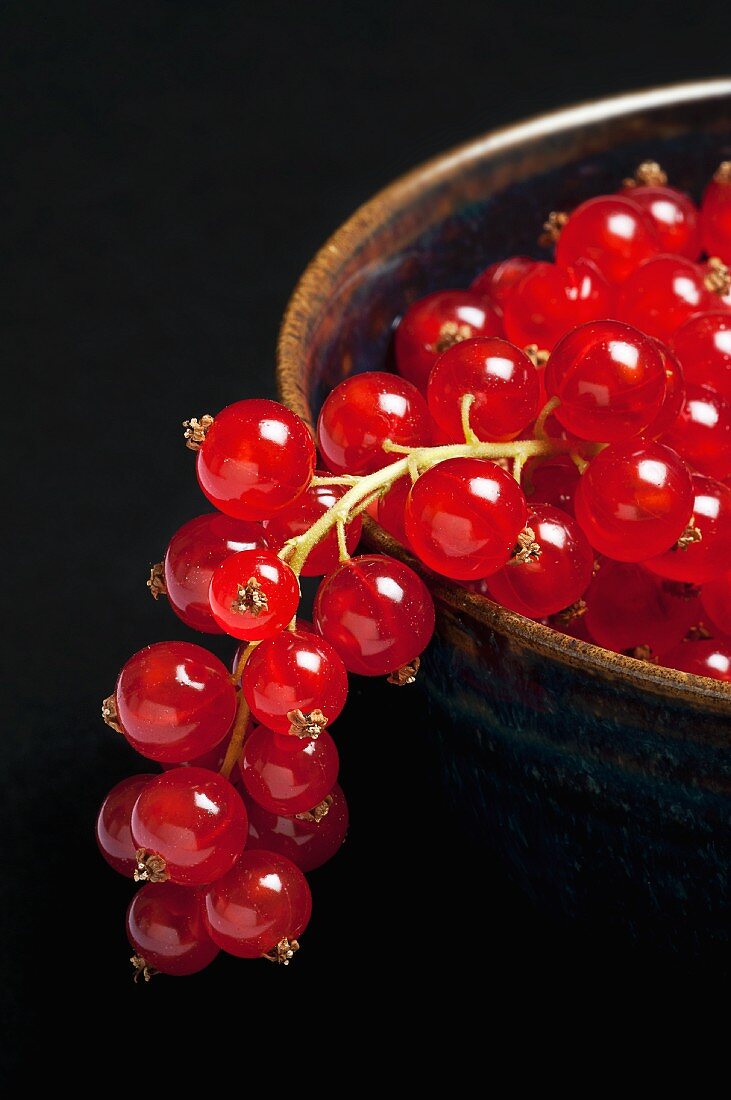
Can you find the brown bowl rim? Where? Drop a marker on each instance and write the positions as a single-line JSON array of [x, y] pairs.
[[318, 280]]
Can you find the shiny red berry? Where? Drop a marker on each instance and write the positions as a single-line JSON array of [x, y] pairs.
[[288, 775], [610, 381], [263, 900], [696, 562], [674, 394], [193, 553], [701, 432], [296, 670], [362, 413], [500, 377], [391, 508], [557, 578], [634, 500], [711, 657], [613, 232], [308, 842], [113, 833], [716, 600], [300, 516], [167, 930], [376, 612], [550, 300], [662, 294], [463, 517], [253, 595], [497, 281], [628, 607], [434, 323], [257, 457], [674, 217], [716, 214], [175, 700], [703, 347], [552, 480], [194, 820]]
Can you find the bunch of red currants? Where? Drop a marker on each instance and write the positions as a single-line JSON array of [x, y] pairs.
[[559, 440]]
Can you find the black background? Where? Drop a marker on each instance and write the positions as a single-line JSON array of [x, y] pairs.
[[167, 170]]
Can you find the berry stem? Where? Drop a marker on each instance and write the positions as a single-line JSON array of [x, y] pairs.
[[468, 400], [241, 721], [543, 415], [342, 546], [413, 460]]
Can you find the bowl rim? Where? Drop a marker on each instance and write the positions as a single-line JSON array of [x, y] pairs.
[[318, 279]]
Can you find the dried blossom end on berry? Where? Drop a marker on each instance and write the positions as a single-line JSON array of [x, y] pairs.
[[452, 333], [723, 172], [406, 674], [318, 812], [572, 612], [552, 227], [647, 174], [306, 725], [283, 952], [642, 653], [151, 867], [538, 356], [156, 583], [195, 431], [250, 600], [690, 535], [526, 549], [110, 714], [718, 277], [142, 969]]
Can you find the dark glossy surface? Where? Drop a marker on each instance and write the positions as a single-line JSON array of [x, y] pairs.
[[601, 782]]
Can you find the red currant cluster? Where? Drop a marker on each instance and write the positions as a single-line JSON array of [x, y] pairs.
[[601, 425], [626, 350]]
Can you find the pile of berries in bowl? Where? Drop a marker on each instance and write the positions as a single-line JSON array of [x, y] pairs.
[[557, 439]]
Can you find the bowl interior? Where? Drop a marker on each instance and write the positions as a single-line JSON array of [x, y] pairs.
[[439, 226]]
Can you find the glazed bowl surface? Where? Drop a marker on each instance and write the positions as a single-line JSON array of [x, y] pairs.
[[602, 782]]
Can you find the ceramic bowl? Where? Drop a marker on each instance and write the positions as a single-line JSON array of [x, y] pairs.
[[601, 781]]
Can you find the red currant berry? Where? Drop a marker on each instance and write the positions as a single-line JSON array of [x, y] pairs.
[[253, 595], [212, 760], [113, 833], [294, 671], [376, 612], [391, 510], [716, 214], [288, 775], [696, 562], [551, 480], [308, 842], [716, 600], [627, 607], [610, 380], [167, 931], [175, 700], [257, 457], [557, 578], [634, 500], [702, 432], [502, 380], [711, 657], [263, 900], [434, 323], [362, 413], [549, 300], [703, 346], [674, 394], [674, 216], [612, 231], [497, 281], [662, 294], [193, 553], [194, 820], [301, 515], [463, 517]]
